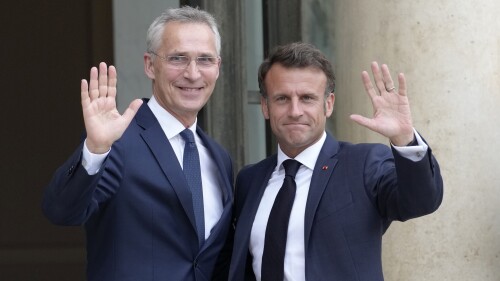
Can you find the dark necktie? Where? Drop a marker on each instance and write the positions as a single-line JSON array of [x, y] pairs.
[[191, 168], [273, 258]]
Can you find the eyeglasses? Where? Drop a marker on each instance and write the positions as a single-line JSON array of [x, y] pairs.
[[181, 62]]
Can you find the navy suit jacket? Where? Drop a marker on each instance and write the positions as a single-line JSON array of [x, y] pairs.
[[350, 205], [138, 211]]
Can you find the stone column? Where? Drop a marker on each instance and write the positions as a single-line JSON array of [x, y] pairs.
[[450, 54], [225, 112], [131, 20]]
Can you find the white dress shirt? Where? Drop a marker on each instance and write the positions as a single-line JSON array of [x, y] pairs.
[[295, 251], [212, 194]]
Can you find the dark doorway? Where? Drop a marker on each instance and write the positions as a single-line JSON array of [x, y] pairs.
[[47, 48]]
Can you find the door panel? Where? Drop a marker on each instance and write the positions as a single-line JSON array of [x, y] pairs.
[[47, 47]]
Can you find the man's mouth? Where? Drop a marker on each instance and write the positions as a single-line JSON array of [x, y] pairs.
[[190, 88], [295, 124]]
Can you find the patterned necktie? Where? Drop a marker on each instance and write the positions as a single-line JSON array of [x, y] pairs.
[[273, 259], [192, 172]]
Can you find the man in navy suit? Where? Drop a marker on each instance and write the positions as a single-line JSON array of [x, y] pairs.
[[126, 182], [346, 195]]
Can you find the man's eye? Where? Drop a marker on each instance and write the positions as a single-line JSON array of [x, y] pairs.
[[307, 98], [177, 59], [206, 60]]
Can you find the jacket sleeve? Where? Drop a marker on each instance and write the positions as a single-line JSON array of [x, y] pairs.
[[73, 196], [401, 188]]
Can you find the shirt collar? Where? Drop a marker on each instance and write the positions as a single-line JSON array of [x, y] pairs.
[[170, 125], [308, 157]]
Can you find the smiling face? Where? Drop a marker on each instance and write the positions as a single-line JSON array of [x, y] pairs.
[[296, 106], [183, 92]]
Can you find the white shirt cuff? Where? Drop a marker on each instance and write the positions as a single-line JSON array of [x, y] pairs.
[[92, 162], [414, 153]]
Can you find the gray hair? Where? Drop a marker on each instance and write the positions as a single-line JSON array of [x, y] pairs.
[[297, 55], [184, 14]]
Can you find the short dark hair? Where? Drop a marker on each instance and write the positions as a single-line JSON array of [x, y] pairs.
[[297, 55]]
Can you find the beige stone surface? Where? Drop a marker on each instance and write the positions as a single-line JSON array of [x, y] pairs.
[[450, 54]]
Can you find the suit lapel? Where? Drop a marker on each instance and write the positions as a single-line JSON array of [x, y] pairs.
[[213, 148], [252, 202], [156, 140], [249, 210], [323, 170], [226, 186]]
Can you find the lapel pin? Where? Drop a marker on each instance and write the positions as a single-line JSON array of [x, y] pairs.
[[324, 168]]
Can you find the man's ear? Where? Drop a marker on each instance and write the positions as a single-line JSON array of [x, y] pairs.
[[330, 101], [264, 107], [218, 68], [148, 66]]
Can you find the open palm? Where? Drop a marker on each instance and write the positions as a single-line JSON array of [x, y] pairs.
[[103, 123], [391, 108]]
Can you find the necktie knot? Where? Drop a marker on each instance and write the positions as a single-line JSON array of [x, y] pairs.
[[188, 136], [291, 167]]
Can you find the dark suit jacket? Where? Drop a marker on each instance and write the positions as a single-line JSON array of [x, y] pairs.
[[138, 211], [349, 207]]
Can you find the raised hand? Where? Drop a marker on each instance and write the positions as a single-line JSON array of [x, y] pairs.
[[391, 109], [103, 123]]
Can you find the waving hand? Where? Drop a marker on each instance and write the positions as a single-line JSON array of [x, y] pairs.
[[391, 109], [103, 123]]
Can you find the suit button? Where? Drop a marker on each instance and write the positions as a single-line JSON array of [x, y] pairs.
[[195, 264], [71, 170]]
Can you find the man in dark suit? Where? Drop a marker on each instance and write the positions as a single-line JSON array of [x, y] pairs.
[[146, 216], [326, 221]]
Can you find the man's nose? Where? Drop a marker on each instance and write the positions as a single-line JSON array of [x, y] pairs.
[[295, 107], [192, 71]]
